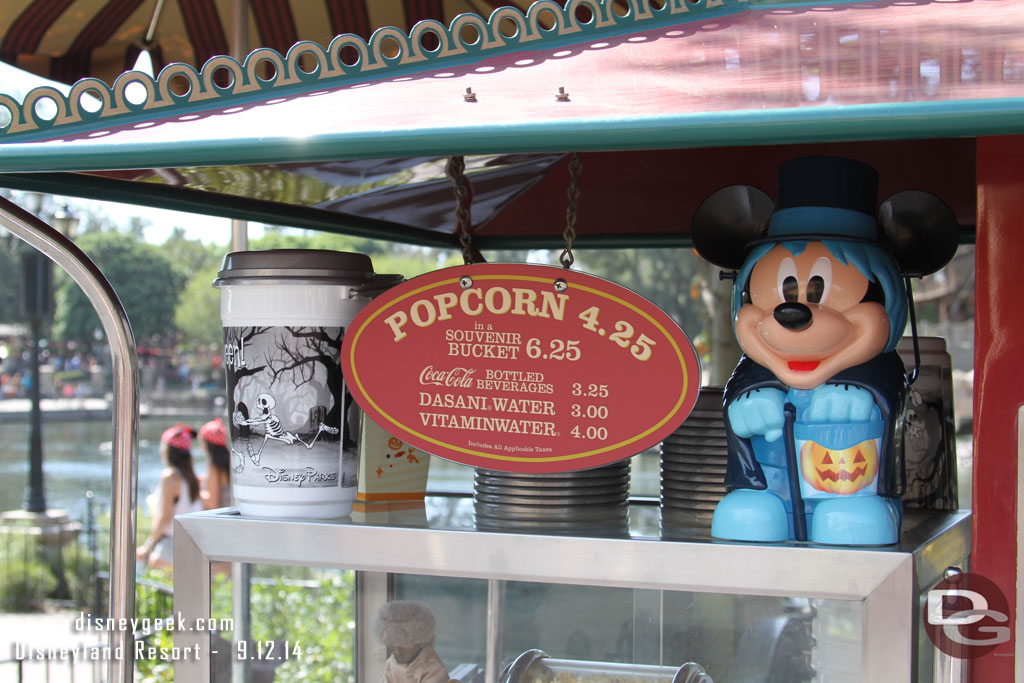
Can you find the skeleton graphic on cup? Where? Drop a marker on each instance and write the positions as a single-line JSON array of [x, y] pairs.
[[272, 426]]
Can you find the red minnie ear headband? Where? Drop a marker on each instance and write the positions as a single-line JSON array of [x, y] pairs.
[[178, 436], [214, 433]]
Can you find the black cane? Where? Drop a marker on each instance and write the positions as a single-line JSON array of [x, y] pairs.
[[799, 518]]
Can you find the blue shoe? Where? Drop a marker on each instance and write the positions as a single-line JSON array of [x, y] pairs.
[[749, 515], [858, 520]]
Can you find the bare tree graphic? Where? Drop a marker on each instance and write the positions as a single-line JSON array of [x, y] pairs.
[[238, 338], [297, 354]]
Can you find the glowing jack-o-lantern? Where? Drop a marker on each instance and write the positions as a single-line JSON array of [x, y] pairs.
[[842, 471]]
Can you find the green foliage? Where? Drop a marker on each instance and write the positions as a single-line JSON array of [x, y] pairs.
[[10, 265], [413, 263], [197, 315], [320, 620], [316, 618], [387, 257], [26, 578], [153, 603], [145, 280], [72, 376], [546, 257], [156, 670], [34, 572], [363, 245], [663, 276], [191, 256], [284, 239], [93, 222]]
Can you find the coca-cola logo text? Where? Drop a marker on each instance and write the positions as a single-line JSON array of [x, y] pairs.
[[455, 377]]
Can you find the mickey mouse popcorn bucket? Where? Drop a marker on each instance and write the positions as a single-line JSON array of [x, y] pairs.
[[284, 312]]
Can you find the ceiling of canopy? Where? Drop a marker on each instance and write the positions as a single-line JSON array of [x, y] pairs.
[[626, 197], [665, 102], [66, 40]]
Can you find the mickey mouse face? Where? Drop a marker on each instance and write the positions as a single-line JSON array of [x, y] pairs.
[[808, 317]]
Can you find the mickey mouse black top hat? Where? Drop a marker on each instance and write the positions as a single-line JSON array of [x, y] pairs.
[[826, 198]]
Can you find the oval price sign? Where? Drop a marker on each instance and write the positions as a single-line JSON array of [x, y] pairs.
[[520, 368]]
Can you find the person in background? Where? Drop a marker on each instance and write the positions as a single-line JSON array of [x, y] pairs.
[[216, 490], [407, 628], [176, 494]]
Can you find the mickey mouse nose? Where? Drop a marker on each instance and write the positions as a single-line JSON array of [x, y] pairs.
[[793, 315]]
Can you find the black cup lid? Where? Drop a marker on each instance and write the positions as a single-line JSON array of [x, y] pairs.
[[319, 266]]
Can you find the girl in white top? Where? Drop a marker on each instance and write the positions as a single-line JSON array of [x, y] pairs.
[[176, 494]]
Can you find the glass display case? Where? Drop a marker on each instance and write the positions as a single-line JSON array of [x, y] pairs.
[[633, 605], [770, 82]]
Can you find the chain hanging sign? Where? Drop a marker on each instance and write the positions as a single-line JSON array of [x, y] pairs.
[[520, 368]]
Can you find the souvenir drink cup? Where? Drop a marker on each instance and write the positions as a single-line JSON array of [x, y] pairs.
[[293, 440]]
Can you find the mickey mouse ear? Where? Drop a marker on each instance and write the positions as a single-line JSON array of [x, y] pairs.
[[921, 230], [727, 221]]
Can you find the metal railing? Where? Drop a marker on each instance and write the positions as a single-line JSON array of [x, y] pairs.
[[52, 566], [154, 599]]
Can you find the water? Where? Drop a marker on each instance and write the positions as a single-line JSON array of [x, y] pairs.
[[76, 459]]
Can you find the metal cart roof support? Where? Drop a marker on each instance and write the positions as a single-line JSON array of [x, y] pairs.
[[125, 460]]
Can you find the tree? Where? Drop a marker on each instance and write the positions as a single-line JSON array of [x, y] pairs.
[[11, 248], [145, 281], [197, 315], [664, 276], [10, 265], [192, 256], [96, 221], [387, 257], [675, 280]]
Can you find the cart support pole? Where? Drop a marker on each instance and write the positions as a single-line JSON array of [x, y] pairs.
[[125, 460], [495, 604], [239, 49]]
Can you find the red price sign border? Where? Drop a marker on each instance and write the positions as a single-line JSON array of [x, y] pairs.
[[684, 355]]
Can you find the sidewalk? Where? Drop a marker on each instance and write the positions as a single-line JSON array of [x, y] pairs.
[[48, 631]]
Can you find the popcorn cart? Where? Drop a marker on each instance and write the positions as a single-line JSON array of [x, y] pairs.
[[641, 108]]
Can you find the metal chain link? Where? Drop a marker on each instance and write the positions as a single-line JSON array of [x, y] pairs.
[[569, 234], [455, 169]]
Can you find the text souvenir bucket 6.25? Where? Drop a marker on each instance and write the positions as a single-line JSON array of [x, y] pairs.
[[293, 440]]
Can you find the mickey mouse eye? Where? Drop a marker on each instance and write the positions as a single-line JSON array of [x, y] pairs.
[[820, 281], [788, 285]]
